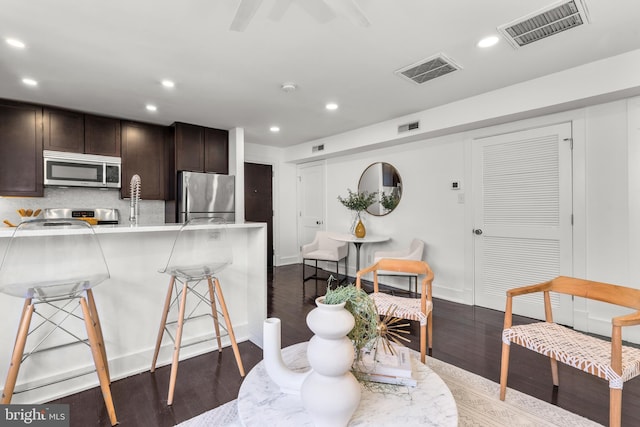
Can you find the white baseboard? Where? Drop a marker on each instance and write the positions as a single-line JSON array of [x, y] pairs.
[[288, 260]]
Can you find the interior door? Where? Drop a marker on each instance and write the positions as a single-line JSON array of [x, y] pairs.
[[523, 217], [258, 200], [311, 195]]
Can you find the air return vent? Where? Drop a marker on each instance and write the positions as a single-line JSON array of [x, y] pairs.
[[428, 69], [546, 22], [409, 126]]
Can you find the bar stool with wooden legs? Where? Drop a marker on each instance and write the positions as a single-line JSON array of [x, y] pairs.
[[201, 250], [53, 265]]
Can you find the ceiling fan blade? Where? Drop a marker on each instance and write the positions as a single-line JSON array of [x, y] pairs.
[[246, 10], [351, 10], [318, 9], [279, 8]]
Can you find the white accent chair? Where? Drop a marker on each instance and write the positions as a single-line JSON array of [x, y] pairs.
[[413, 252], [323, 248]]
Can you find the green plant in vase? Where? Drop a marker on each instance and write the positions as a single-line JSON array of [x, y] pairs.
[[358, 202], [363, 310], [389, 201]]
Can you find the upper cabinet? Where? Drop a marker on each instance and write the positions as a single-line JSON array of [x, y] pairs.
[[20, 149], [189, 147], [81, 133], [201, 149], [143, 153], [63, 130], [101, 135], [216, 150]]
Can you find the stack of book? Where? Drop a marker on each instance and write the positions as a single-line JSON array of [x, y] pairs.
[[380, 365]]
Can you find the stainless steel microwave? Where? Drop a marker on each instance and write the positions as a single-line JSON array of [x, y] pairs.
[[81, 170]]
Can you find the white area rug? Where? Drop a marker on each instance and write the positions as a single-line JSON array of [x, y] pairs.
[[476, 397]]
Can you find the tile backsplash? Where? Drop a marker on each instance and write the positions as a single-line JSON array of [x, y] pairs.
[[151, 211]]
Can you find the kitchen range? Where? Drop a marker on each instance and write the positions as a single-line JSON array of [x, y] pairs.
[[101, 216]]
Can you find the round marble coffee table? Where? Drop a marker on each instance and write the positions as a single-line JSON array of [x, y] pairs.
[[430, 403]]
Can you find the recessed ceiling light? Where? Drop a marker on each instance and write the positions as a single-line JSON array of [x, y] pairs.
[[15, 43], [288, 87], [331, 106], [151, 107], [29, 82], [168, 83], [488, 41], [274, 129]]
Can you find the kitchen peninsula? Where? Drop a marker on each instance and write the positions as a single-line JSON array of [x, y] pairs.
[[130, 305]]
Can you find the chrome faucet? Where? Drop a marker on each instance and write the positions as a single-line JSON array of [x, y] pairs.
[[135, 199]]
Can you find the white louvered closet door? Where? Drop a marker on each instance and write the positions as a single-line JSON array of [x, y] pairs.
[[522, 217]]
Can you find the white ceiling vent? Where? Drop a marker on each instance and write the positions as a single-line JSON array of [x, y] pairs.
[[408, 126], [428, 69], [546, 22]]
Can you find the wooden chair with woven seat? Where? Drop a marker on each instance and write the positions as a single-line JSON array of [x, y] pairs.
[[414, 251], [609, 360], [418, 309]]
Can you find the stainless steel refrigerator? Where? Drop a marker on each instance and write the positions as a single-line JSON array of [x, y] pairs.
[[206, 195]]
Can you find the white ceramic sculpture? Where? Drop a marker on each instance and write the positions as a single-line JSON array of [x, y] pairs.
[[329, 391], [330, 394], [289, 381]]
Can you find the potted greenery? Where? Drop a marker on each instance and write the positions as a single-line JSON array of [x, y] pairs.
[[389, 201], [363, 310], [358, 202]]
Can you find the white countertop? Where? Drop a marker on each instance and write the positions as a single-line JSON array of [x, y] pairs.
[[126, 228]]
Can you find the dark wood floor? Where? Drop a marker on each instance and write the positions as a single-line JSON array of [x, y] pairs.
[[465, 336]]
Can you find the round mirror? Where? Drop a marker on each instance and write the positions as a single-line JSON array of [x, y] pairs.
[[384, 179]]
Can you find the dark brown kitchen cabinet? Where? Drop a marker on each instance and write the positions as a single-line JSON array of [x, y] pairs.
[[216, 150], [20, 149], [189, 147], [143, 153], [101, 135], [201, 149], [63, 130], [76, 132]]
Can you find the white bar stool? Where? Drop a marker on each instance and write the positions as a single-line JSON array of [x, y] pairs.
[[201, 250], [54, 264]]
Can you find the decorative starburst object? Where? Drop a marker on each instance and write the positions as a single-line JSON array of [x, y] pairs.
[[389, 329]]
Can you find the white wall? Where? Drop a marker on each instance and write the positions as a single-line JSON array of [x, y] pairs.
[[428, 210], [605, 116], [606, 202]]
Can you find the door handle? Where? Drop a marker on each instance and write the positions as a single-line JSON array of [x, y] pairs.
[[318, 222], [477, 231]]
